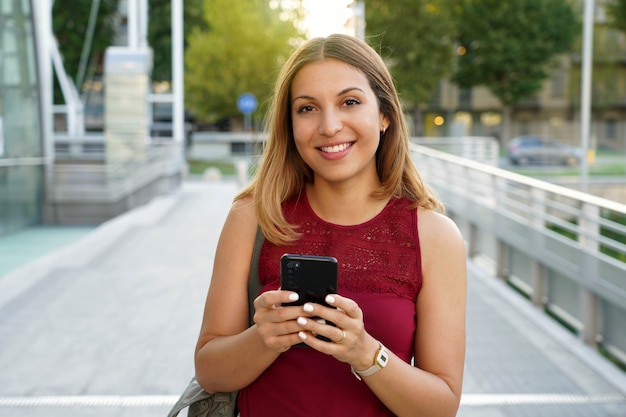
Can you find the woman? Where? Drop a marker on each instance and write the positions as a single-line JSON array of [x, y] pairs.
[[336, 179]]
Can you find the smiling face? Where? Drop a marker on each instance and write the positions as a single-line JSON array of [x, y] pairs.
[[336, 121]]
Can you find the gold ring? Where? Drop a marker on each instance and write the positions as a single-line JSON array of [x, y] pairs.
[[343, 336]]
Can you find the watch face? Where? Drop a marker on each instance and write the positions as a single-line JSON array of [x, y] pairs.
[[383, 358]]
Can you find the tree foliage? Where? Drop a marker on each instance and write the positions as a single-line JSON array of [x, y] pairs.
[[160, 32], [70, 20], [507, 46], [238, 51], [416, 39], [617, 13]]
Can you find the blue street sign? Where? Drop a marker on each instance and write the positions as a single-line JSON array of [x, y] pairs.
[[246, 103]]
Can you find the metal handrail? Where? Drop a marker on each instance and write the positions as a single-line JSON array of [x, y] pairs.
[[423, 151], [540, 236]]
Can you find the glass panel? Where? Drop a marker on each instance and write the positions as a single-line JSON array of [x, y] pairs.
[[613, 329], [19, 105], [20, 186], [564, 297], [20, 189], [520, 267]]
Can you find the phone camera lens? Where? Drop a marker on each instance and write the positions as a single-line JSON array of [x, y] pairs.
[[290, 265]]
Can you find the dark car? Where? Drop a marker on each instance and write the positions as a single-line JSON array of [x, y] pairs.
[[527, 150]]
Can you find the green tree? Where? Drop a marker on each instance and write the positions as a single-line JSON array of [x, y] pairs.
[[508, 46], [240, 51], [416, 39], [70, 21], [160, 32], [617, 13]]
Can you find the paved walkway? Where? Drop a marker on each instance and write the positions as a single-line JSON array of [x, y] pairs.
[[106, 326], [31, 243]]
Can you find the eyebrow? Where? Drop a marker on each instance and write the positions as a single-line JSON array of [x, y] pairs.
[[342, 92]]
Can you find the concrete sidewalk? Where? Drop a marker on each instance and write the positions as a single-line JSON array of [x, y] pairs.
[[106, 326]]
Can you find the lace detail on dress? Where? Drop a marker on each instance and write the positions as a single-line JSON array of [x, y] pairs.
[[381, 255]]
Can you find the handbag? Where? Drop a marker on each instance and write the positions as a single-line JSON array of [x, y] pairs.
[[221, 404]]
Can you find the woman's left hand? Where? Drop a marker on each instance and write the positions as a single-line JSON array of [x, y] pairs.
[[349, 341]]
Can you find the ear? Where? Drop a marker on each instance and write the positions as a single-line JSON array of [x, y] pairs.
[[384, 123]]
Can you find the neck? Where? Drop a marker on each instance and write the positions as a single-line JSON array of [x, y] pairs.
[[344, 206]]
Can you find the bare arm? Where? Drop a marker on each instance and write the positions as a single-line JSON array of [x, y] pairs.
[[230, 354]]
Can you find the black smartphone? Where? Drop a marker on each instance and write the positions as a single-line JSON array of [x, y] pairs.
[[312, 277]]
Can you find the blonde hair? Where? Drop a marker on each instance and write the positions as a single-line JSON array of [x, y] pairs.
[[282, 173]]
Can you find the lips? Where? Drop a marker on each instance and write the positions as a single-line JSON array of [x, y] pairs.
[[336, 148]]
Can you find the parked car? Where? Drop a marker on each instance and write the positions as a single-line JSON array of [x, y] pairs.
[[527, 150]]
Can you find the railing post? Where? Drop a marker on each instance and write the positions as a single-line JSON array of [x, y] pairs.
[[590, 316], [588, 238], [538, 215], [502, 261], [589, 227], [538, 282]]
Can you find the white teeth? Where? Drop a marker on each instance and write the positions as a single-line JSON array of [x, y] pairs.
[[336, 148]]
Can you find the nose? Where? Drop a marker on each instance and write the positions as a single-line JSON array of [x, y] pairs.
[[330, 123]]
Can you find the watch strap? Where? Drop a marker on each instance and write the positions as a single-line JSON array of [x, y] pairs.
[[380, 361]]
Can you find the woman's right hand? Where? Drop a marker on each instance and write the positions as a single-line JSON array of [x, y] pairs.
[[276, 324]]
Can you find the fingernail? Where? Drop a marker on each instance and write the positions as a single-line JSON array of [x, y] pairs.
[[294, 296], [321, 321], [302, 321], [302, 335], [308, 308], [330, 299]]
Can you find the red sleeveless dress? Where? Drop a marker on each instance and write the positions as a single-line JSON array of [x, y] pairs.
[[380, 269]]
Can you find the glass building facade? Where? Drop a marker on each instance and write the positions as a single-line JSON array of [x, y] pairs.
[[21, 145]]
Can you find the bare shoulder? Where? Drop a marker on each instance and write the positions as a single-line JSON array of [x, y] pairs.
[[241, 217], [441, 244], [437, 229], [243, 207], [236, 240]]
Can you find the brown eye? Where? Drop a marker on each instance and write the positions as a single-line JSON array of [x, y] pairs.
[[305, 109]]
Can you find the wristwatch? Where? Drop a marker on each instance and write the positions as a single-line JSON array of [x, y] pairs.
[[380, 361]]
